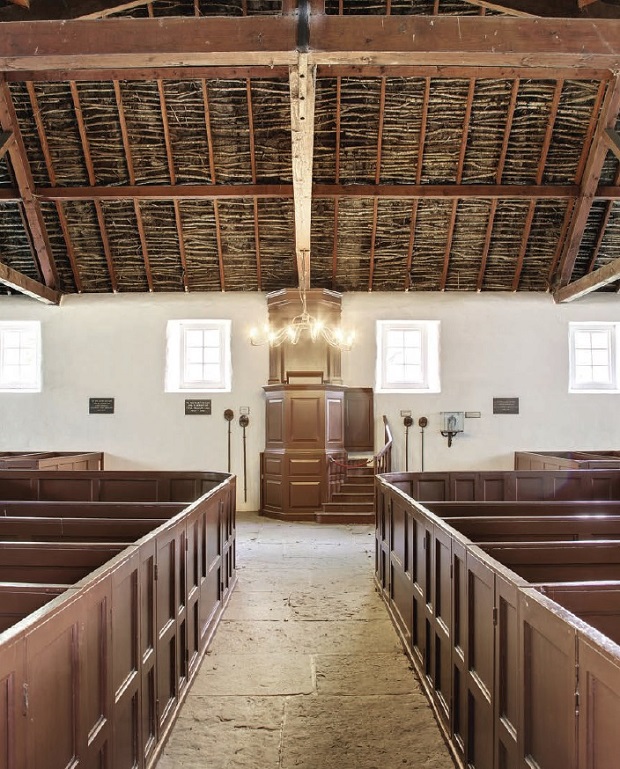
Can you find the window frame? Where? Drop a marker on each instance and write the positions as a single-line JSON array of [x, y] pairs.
[[34, 384], [430, 347], [175, 378], [611, 328]]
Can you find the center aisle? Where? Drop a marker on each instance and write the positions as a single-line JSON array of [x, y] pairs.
[[305, 670]]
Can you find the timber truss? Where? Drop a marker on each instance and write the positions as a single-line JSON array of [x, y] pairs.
[[387, 178]]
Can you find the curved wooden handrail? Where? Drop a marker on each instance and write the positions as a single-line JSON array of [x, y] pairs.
[[383, 460]]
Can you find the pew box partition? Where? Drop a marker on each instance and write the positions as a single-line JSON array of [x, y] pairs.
[[567, 460], [96, 676], [517, 680], [51, 460]]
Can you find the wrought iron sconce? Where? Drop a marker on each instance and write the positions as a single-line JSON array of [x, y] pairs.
[[453, 423]]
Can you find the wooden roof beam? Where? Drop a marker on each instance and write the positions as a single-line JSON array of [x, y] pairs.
[[302, 89], [167, 42], [6, 138], [25, 285], [395, 191], [591, 177], [25, 184], [477, 41], [612, 139], [597, 279]]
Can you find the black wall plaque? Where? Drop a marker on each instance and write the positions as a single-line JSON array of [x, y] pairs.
[[197, 406], [505, 405], [101, 405]]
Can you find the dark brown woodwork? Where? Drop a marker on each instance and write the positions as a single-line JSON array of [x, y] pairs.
[[6, 138], [25, 184], [359, 421], [499, 661], [590, 282], [25, 285], [222, 191], [129, 636], [51, 460], [304, 427], [591, 176]]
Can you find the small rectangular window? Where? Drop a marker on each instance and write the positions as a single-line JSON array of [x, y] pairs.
[[592, 348], [20, 356], [407, 356], [198, 356]]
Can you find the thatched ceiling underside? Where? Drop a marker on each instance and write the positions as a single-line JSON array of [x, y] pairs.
[[458, 178]]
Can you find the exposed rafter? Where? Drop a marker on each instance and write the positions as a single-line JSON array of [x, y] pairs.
[[6, 137], [43, 10], [591, 177], [577, 9], [597, 279], [302, 132], [23, 177], [612, 140], [25, 285]]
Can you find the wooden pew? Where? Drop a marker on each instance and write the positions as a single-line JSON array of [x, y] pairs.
[[18, 600], [597, 603], [119, 530], [52, 562], [448, 510], [558, 561], [134, 510], [536, 527]]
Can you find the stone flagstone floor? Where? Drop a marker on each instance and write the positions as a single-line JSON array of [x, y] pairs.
[[305, 670]]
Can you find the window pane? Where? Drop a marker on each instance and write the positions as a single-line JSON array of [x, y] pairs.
[[211, 355], [601, 374], [193, 338], [211, 338], [600, 357], [600, 340], [193, 372], [211, 373], [194, 354], [583, 357]]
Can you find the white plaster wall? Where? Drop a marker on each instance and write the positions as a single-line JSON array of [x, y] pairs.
[[492, 345]]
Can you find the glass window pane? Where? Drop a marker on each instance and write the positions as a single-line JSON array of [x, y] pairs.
[[194, 355], [600, 340], [193, 372], [601, 374], [600, 357], [583, 357], [211, 337], [211, 373], [211, 355], [193, 338]]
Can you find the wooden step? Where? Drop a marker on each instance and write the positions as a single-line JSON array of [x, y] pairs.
[[361, 472], [348, 487], [344, 495], [326, 516], [349, 507]]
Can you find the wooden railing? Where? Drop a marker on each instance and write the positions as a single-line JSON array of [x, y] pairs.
[[383, 460]]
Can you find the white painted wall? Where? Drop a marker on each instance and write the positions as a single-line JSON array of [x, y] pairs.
[[492, 345]]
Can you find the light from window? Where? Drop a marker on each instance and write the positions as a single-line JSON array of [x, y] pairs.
[[20, 356], [592, 357], [408, 356], [198, 356]]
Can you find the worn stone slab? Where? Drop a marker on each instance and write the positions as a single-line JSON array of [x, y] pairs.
[[381, 732], [365, 674], [307, 637], [341, 579], [317, 604], [254, 672], [246, 605], [226, 733]]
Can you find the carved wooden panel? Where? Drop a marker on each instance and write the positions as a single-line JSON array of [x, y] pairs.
[[359, 419], [305, 421], [274, 423], [304, 495], [334, 417]]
